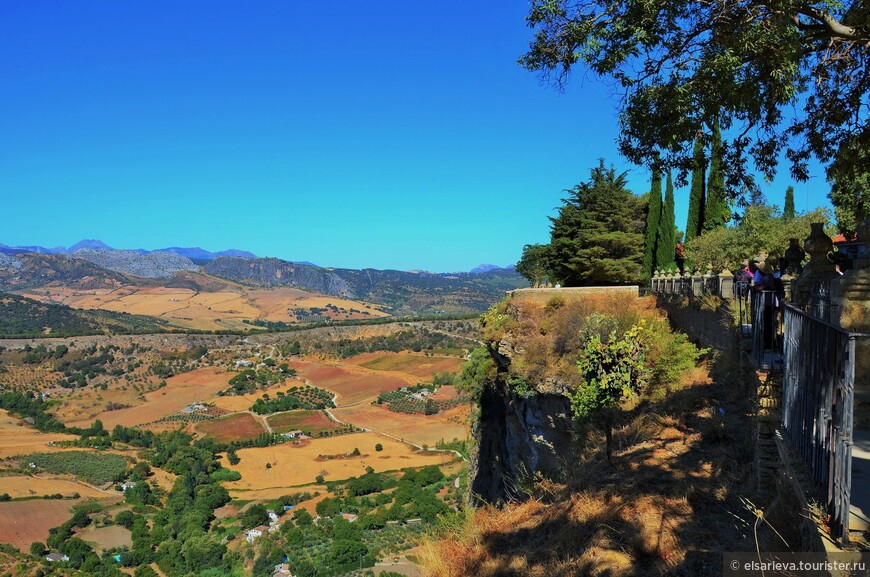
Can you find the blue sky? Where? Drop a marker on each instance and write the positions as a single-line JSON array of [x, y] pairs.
[[386, 134]]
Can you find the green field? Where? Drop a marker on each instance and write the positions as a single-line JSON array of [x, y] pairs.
[[96, 468]]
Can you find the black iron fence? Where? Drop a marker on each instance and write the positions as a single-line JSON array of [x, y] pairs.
[[818, 399]]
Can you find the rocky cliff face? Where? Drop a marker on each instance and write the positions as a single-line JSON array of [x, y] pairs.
[[273, 272], [518, 436], [151, 265]]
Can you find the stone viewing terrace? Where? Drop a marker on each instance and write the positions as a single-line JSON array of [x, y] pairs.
[[811, 345]]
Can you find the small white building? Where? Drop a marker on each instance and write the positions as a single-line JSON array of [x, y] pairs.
[[252, 534], [127, 485], [273, 516], [244, 363], [55, 557]]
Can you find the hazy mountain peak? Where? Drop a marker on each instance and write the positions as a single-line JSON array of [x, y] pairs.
[[92, 244]]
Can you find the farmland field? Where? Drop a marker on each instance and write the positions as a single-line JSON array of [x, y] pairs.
[[238, 427], [222, 305], [312, 422], [16, 438], [418, 365], [21, 486], [243, 402], [350, 384], [179, 392], [293, 465], [419, 429], [106, 537], [96, 468], [23, 522]]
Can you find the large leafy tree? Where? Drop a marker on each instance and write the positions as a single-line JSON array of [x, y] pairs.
[[695, 220], [761, 229], [682, 64], [533, 264], [653, 216], [597, 238], [667, 234], [851, 200]]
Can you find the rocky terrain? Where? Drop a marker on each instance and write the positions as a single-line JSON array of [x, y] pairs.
[[128, 262]]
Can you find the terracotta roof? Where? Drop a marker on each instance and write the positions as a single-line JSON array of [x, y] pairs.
[[848, 237]]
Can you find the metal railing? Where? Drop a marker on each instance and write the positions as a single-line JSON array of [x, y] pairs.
[[818, 399]]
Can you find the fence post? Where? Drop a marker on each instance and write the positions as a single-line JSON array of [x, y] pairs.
[[655, 281], [726, 284], [697, 284], [686, 287]]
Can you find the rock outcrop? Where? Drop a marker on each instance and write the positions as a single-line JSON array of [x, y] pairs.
[[150, 265]]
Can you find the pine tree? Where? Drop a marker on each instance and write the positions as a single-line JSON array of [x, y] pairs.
[[716, 209], [654, 213], [788, 210], [695, 221], [667, 229]]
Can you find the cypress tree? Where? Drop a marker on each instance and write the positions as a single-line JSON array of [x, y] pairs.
[[653, 215], [667, 232], [716, 209], [695, 222], [788, 210]]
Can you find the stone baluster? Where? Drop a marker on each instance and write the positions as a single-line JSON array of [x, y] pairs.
[[654, 282], [686, 286], [697, 284], [794, 258], [708, 280], [726, 284]]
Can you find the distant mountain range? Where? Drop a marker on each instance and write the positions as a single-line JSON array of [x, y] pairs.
[[193, 253], [404, 292], [197, 255]]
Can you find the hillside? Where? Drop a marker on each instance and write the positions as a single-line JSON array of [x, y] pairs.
[[20, 316], [405, 292], [128, 262], [678, 490], [31, 270]]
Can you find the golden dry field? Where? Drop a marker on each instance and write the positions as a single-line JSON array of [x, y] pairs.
[[224, 306], [106, 537], [235, 403], [350, 383], [294, 465], [419, 429], [21, 486], [277, 305], [179, 392], [23, 522], [17, 438], [416, 364]]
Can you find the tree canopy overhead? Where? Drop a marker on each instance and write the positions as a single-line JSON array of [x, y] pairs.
[[682, 65]]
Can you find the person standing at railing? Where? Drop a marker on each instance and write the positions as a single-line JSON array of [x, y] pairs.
[[772, 292]]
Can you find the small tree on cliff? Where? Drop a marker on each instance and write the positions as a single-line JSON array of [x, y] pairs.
[[613, 370]]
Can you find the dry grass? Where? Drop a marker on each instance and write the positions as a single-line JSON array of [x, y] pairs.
[[351, 384], [419, 429], [418, 365], [238, 427], [221, 305], [106, 537], [23, 522], [179, 392], [293, 465], [313, 422], [17, 438], [20, 486]]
